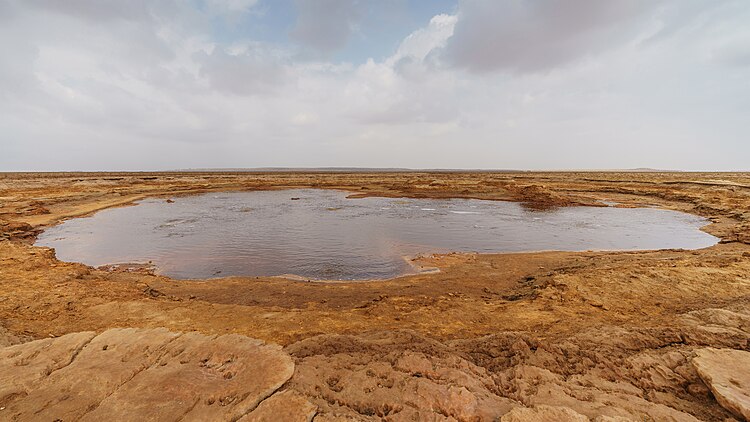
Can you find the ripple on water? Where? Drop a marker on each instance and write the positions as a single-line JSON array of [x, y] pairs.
[[320, 234]]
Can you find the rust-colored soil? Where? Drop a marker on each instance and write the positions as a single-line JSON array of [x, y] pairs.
[[599, 333]]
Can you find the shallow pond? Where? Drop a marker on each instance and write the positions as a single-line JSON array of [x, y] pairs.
[[320, 234]]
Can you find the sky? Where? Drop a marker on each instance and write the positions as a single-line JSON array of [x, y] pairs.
[[491, 84]]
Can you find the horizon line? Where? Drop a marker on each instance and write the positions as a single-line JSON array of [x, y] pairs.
[[344, 169]]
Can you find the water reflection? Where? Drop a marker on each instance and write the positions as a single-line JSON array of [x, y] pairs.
[[322, 235]]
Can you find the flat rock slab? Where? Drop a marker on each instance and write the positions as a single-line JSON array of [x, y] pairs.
[[352, 377], [727, 373], [141, 375], [543, 414], [287, 406]]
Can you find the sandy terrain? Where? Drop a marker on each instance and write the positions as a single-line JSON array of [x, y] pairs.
[[555, 335]]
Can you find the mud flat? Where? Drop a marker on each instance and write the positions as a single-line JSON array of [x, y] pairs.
[[555, 335]]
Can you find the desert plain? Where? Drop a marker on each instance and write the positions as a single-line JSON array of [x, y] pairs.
[[550, 336]]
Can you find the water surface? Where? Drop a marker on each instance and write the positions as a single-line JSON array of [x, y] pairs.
[[320, 234]]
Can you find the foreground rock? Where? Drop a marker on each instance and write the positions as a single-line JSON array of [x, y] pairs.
[[287, 406], [727, 374], [600, 374], [394, 375], [139, 374], [543, 414]]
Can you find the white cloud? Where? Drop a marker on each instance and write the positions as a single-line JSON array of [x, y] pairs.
[[421, 42], [247, 72], [536, 35], [230, 6], [97, 11], [615, 85], [324, 26], [305, 119]]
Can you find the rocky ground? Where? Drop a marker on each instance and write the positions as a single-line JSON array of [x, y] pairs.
[[653, 335]]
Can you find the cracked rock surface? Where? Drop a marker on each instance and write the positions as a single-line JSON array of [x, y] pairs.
[[646, 374], [142, 374], [727, 374]]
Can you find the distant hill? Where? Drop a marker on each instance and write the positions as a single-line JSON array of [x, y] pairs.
[[336, 170], [406, 170], [650, 170], [342, 170], [300, 169]]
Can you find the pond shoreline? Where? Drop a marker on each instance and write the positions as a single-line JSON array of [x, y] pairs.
[[262, 233]]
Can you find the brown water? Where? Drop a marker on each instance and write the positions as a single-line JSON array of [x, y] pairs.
[[323, 235]]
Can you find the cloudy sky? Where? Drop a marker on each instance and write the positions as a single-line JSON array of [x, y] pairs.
[[522, 84]]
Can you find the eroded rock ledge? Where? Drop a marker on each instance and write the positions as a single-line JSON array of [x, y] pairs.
[[727, 374], [599, 374], [142, 374], [161, 375]]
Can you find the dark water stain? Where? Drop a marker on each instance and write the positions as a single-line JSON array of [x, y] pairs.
[[320, 234]]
